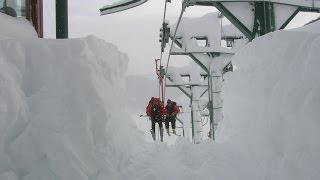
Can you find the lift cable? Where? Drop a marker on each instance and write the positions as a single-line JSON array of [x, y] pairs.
[[159, 68]]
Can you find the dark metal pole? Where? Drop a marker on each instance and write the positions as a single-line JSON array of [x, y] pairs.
[[61, 19], [192, 122], [264, 18], [211, 104]]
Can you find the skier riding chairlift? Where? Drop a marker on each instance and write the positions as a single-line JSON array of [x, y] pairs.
[[156, 112], [171, 113]]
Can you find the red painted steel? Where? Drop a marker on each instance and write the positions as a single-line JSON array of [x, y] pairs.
[[36, 8]]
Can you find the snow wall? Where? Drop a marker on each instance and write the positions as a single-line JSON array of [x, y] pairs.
[[61, 106], [272, 105]]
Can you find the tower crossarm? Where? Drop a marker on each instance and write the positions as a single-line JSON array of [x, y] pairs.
[[305, 4], [258, 17]]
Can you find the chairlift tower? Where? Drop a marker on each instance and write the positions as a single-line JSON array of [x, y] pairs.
[[258, 17], [210, 56], [194, 90]]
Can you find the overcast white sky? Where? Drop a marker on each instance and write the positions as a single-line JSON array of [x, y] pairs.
[[134, 31]]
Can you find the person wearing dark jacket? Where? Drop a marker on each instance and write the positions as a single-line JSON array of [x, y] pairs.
[[171, 113]]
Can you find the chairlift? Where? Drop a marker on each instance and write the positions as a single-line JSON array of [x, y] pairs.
[[8, 11], [120, 5]]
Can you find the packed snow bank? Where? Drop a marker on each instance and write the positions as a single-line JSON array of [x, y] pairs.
[[272, 103], [12, 27], [61, 108]]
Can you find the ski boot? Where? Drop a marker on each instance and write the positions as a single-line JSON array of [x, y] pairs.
[[168, 132], [174, 131], [161, 134], [153, 134]]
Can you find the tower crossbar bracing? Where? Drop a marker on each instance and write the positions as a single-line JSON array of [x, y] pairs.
[[309, 4], [258, 17]]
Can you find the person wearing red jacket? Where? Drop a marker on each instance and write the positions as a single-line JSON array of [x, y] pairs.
[[156, 112], [171, 113]]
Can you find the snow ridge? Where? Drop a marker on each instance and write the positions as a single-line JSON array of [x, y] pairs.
[[58, 98]]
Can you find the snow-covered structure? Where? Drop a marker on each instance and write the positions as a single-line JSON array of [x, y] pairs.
[[210, 56], [230, 31], [194, 88], [258, 17], [191, 30], [253, 18]]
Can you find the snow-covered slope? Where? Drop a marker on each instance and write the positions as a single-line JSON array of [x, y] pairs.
[[272, 104]]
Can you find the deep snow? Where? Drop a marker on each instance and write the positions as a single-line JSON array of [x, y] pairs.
[[62, 115], [272, 103]]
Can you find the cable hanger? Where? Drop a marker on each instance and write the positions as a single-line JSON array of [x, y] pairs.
[[159, 70], [172, 43]]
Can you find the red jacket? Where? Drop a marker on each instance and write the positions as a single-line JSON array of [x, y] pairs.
[[151, 103], [176, 109]]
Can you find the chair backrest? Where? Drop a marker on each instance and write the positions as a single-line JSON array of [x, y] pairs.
[[9, 11]]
